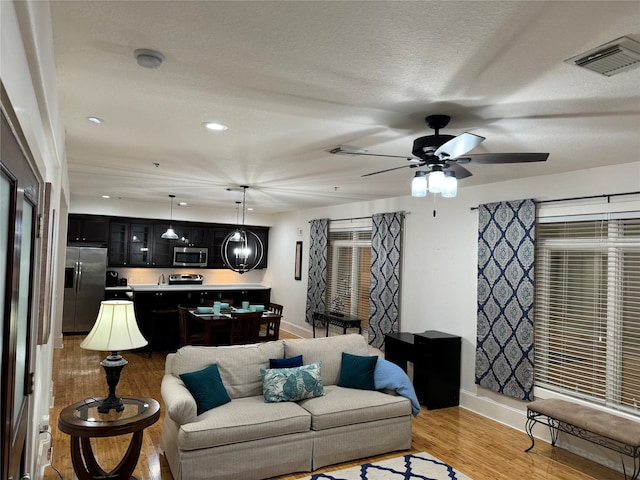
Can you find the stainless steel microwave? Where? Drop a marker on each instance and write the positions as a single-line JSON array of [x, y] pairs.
[[190, 256]]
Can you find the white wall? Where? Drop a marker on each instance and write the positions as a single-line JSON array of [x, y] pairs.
[[440, 263]]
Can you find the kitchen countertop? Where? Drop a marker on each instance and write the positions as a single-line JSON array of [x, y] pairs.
[[202, 287], [126, 288]]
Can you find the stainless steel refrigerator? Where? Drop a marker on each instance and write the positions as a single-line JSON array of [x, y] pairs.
[[84, 279]]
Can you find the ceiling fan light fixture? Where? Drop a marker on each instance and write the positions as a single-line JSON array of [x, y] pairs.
[[419, 184], [449, 185], [436, 180]]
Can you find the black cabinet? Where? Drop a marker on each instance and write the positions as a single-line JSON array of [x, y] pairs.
[[118, 244], [140, 244], [436, 364], [436, 369], [88, 229]]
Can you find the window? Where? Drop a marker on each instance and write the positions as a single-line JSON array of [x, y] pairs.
[[349, 272], [587, 319]]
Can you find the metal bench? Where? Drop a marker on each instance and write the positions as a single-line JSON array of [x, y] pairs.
[[605, 429]]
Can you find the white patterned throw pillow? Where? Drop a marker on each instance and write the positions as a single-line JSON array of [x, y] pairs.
[[292, 384]]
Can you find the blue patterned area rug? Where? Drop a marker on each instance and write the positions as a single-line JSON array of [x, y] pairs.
[[420, 466]]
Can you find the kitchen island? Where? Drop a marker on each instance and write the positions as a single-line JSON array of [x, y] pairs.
[[166, 332]]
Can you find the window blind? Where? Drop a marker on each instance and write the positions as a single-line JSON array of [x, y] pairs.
[[587, 318], [349, 272]]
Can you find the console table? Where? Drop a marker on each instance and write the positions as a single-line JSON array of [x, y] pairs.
[[342, 321], [436, 364]]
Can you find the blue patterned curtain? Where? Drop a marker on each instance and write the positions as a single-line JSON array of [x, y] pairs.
[[317, 267], [386, 247], [504, 350]]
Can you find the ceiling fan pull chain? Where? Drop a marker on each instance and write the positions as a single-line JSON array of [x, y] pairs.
[[434, 204]]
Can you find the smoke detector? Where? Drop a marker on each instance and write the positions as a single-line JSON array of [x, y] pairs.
[[611, 58], [148, 58]]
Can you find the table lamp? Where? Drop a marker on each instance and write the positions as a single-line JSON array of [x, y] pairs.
[[115, 329]]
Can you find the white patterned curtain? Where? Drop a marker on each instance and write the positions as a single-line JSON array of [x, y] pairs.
[[384, 297], [504, 350], [317, 267]]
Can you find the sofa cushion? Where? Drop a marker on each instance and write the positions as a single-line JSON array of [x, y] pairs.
[[291, 384], [286, 362], [357, 371], [206, 387], [341, 406], [242, 420], [239, 365], [328, 350]]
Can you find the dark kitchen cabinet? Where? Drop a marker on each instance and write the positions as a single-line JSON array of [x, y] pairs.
[[118, 244], [436, 369], [88, 229], [140, 244], [162, 247]]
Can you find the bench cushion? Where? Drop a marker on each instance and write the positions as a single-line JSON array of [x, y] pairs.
[[596, 421]]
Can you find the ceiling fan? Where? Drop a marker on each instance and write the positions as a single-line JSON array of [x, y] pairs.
[[445, 154]]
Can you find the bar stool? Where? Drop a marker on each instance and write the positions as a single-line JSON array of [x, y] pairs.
[[157, 315]]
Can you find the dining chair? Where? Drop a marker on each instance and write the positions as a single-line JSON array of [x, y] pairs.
[[245, 328], [188, 334], [271, 324]]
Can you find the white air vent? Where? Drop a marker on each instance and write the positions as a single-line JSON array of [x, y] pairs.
[[611, 58]]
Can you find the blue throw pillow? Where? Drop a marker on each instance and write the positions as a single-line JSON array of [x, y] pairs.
[[357, 371], [285, 362], [206, 387], [292, 384]]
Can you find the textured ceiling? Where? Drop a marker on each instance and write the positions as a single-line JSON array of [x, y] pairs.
[[293, 79]]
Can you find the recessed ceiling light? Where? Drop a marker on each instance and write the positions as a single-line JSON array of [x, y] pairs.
[[106, 196], [183, 204], [250, 209], [215, 126], [95, 119]]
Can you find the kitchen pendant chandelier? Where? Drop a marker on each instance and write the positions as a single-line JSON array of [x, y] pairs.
[[170, 234], [242, 249]]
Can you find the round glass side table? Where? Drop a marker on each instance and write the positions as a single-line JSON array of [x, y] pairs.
[[82, 421]]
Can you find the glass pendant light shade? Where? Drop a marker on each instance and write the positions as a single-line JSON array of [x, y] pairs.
[[450, 185], [419, 184], [170, 234], [436, 180]]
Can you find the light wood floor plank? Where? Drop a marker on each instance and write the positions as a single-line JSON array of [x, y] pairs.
[[479, 447]]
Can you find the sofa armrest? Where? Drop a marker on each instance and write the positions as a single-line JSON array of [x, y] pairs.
[[180, 404]]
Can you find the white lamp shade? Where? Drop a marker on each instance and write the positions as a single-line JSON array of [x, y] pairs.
[[419, 185], [436, 180], [450, 186], [116, 328]]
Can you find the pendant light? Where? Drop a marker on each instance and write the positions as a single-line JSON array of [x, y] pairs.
[[170, 234], [242, 249]]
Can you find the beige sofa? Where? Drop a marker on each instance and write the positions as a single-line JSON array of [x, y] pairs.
[[248, 438]]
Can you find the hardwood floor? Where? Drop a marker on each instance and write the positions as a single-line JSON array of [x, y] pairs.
[[479, 447]]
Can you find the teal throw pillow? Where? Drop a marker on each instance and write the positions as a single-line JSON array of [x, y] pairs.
[[357, 372], [206, 387], [291, 384], [285, 362]]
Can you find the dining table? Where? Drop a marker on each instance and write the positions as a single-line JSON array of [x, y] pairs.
[[214, 323]]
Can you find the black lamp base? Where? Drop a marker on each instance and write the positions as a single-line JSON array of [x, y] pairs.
[[112, 365]]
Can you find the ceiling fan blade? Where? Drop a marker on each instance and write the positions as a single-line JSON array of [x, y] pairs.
[[412, 165], [342, 151], [459, 170], [459, 145], [507, 157]]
